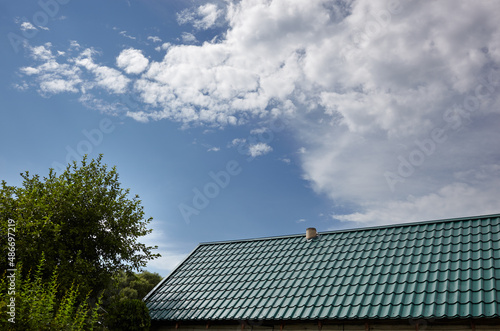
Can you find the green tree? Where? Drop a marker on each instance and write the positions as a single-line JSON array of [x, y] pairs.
[[82, 220], [127, 286], [132, 285], [129, 314]]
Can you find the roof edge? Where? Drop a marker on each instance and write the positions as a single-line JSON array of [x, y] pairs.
[[169, 274], [397, 225]]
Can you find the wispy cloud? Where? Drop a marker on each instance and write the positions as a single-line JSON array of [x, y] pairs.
[[259, 131], [170, 256], [124, 34], [188, 38], [154, 39], [236, 142], [286, 160]]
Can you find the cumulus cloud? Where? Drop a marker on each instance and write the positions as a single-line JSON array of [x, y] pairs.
[[52, 77], [42, 53], [163, 47], [105, 77], [26, 26], [259, 149], [132, 61], [77, 73], [395, 104], [406, 105]]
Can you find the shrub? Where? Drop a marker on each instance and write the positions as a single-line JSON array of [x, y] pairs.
[[129, 314], [39, 306]]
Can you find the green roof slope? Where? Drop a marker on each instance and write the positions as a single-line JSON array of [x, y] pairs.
[[438, 269]]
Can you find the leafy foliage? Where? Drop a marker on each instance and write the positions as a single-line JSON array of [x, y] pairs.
[[37, 306], [127, 286], [132, 285], [82, 220], [129, 314]]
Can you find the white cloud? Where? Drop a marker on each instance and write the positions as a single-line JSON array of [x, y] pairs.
[[42, 53], [74, 44], [259, 131], [30, 71], [124, 34], [453, 200], [55, 85], [237, 142], [105, 77], [163, 47], [78, 74], [365, 84], [52, 77], [249, 148], [154, 39], [91, 101], [26, 26], [132, 61], [188, 38], [259, 149], [209, 14], [204, 17], [387, 98], [111, 79], [139, 116]]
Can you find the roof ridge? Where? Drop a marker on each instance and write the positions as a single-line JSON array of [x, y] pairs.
[[389, 226]]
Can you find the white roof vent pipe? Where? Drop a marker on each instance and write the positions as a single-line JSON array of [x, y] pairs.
[[311, 233]]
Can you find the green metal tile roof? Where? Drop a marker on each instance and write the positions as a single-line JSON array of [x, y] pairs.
[[438, 269]]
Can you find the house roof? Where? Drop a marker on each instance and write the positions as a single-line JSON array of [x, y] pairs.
[[437, 269]]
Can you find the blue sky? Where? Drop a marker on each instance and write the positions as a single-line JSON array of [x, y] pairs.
[[242, 119]]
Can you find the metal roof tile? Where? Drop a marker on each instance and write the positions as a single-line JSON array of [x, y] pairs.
[[445, 269]]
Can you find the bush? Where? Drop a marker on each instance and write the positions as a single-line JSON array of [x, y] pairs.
[[129, 314], [38, 306]]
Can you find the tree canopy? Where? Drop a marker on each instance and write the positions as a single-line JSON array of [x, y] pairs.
[[132, 285], [82, 220]]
